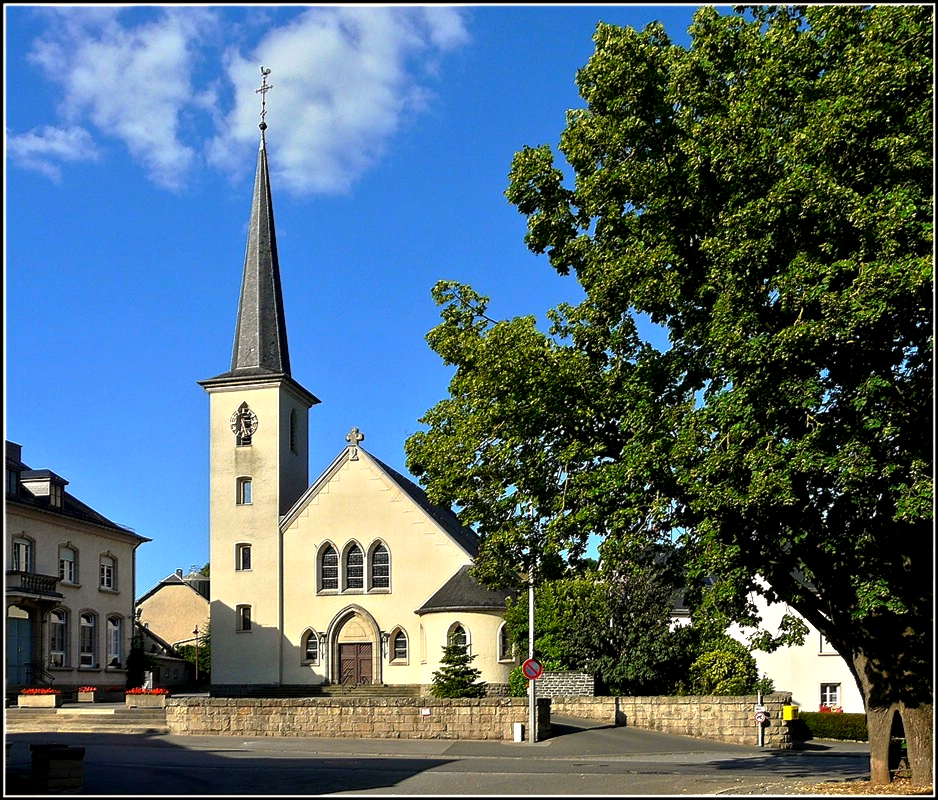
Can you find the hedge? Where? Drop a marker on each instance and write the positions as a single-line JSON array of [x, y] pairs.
[[815, 725]]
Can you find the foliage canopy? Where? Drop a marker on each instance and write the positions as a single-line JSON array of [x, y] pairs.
[[765, 197]]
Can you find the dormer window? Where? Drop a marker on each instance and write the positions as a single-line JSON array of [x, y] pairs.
[[55, 495], [13, 482]]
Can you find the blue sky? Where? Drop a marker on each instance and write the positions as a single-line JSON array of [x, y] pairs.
[[131, 140]]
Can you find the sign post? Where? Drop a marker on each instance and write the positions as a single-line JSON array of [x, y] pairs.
[[532, 695], [760, 717]]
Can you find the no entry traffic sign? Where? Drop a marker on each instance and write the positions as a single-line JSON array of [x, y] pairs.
[[532, 669]]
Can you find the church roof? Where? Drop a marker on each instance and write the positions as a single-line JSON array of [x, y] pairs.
[[463, 593], [444, 517]]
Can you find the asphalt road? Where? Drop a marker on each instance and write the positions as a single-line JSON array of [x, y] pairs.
[[581, 759]]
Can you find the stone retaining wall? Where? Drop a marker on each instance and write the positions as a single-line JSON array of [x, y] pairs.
[[566, 684], [361, 718], [724, 719]]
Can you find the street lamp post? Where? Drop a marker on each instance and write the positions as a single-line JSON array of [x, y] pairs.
[[195, 632]]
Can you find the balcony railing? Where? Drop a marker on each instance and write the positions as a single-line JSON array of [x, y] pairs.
[[32, 583]]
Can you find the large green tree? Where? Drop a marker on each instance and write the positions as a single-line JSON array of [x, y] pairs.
[[765, 197]]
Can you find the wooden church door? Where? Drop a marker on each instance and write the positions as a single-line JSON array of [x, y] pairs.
[[355, 660]]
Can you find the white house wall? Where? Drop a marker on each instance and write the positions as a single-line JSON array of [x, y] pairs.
[[803, 669]]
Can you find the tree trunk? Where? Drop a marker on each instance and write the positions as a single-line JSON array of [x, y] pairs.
[[879, 726], [917, 722]]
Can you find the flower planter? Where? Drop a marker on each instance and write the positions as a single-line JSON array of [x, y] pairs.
[[145, 700], [39, 700], [87, 697]]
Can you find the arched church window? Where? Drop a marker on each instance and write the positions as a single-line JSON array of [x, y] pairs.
[[399, 650], [330, 568], [380, 568], [354, 568], [504, 643], [311, 647], [457, 635]]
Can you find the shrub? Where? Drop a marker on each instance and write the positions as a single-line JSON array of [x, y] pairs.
[[818, 725], [725, 668], [517, 683]]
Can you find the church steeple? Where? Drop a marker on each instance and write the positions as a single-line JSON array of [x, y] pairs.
[[261, 335], [260, 349]]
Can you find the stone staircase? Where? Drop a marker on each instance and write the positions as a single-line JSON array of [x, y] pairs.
[[86, 718]]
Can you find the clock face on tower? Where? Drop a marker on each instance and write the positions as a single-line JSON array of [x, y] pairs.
[[243, 422]]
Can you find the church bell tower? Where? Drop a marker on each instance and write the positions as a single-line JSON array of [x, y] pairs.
[[259, 461]]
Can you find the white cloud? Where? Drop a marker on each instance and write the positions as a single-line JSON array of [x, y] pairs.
[[44, 149], [130, 83], [345, 80], [343, 85]]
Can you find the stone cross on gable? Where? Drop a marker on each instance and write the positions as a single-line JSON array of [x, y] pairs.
[[353, 437]]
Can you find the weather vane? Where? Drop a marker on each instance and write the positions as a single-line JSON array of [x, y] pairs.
[[263, 93]]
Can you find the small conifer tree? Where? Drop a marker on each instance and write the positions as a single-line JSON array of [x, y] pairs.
[[457, 677]]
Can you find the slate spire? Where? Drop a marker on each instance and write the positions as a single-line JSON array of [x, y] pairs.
[[261, 333], [260, 351], [260, 341]]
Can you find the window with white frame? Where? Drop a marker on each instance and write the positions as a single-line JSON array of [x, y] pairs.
[[354, 568], [22, 554], [830, 695], [108, 571], [380, 568], [243, 618], [242, 556], [55, 495], [244, 492], [58, 638], [329, 566], [68, 564], [114, 642], [311, 647], [826, 648], [87, 640]]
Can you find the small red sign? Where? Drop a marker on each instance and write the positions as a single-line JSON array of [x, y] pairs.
[[532, 669]]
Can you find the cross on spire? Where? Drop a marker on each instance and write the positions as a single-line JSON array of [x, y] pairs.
[[262, 91]]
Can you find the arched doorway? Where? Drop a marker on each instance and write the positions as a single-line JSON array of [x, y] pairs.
[[355, 637]]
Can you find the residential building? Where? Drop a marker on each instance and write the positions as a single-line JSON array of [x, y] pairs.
[[69, 587], [176, 609], [814, 672]]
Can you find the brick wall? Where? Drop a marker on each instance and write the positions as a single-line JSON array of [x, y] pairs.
[[362, 718], [566, 684], [724, 719]]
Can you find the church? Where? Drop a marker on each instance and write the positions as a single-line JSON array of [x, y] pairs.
[[352, 579]]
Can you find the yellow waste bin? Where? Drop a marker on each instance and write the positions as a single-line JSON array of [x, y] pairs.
[[789, 712]]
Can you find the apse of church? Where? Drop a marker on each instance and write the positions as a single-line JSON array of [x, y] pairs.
[[355, 578]]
